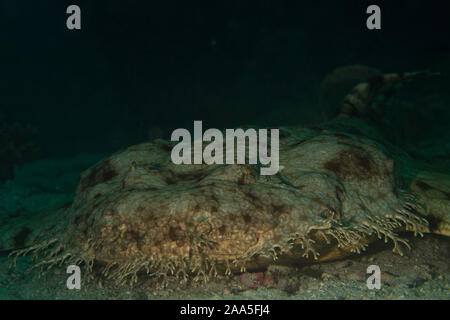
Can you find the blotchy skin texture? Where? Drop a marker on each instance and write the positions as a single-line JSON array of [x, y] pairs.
[[137, 212]]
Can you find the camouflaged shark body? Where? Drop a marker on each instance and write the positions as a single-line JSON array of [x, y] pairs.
[[138, 213]]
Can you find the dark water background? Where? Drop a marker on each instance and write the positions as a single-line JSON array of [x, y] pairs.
[[139, 69]]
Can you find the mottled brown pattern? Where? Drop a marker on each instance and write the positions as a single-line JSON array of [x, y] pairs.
[[352, 164], [137, 211], [102, 172]]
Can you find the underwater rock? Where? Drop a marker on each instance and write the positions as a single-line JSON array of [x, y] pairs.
[[339, 82], [137, 212]]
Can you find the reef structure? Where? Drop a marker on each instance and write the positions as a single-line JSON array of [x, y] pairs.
[[138, 213]]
